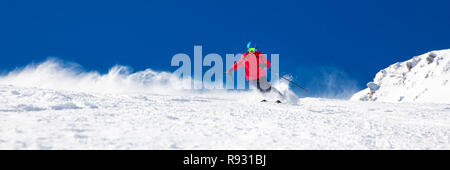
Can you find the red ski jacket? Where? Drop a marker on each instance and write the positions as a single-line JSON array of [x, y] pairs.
[[251, 62]]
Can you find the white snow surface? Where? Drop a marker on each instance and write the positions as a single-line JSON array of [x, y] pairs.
[[51, 106], [33, 118], [424, 78]]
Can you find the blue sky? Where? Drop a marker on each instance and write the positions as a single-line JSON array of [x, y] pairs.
[[350, 40]]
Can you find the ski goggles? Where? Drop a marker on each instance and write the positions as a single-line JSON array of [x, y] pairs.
[[251, 49]]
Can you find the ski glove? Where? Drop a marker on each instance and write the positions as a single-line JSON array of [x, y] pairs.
[[230, 72]]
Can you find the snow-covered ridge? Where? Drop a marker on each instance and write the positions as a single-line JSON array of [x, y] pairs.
[[423, 78]]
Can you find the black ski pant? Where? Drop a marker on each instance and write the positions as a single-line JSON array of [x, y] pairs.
[[264, 86]]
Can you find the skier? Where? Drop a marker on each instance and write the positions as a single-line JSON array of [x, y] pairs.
[[255, 62]]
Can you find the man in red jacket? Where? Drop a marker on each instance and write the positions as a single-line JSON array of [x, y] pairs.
[[255, 63]]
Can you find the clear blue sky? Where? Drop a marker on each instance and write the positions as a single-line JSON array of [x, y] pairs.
[[354, 38]]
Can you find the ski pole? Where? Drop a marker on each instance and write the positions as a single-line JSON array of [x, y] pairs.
[[289, 80]]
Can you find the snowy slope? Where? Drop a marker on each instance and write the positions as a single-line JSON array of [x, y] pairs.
[[51, 106], [33, 118], [424, 78]]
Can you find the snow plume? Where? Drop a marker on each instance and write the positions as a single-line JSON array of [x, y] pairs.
[[283, 87], [55, 74], [326, 82], [59, 75]]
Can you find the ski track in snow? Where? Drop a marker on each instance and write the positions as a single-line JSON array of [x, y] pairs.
[[33, 118]]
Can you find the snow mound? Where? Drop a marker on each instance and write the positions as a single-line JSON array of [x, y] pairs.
[[423, 78]]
